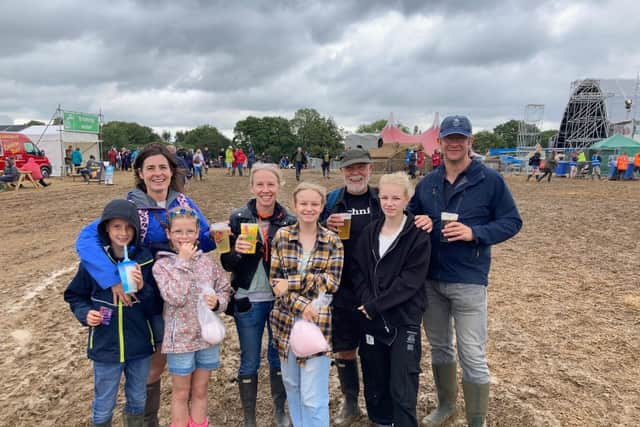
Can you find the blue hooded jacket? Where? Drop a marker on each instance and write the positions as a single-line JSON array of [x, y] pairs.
[[128, 336], [483, 202]]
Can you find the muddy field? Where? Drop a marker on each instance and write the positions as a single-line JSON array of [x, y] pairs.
[[564, 307]]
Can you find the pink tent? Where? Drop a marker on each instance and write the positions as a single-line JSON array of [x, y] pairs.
[[428, 139]]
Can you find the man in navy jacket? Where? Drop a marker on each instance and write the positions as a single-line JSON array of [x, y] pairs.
[[479, 211]]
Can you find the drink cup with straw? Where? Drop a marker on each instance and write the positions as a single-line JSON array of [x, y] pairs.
[[125, 269]]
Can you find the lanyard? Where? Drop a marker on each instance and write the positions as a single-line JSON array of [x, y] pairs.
[[264, 233]]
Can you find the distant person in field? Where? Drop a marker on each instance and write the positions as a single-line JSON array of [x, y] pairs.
[[76, 158], [596, 161], [550, 165], [573, 165], [299, 160], [35, 170], [10, 173], [326, 163], [435, 158], [198, 164], [534, 163], [622, 163], [228, 159]]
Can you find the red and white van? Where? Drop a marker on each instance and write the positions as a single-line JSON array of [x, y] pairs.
[[21, 148]]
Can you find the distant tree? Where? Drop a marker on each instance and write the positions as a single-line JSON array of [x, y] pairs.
[[373, 127], [315, 133], [166, 136], [179, 137], [508, 133], [377, 126], [268, 135], [34, 123], [126, 134], [484, 140], [416, 130], [57, 121], [202, 136], [546, 136]]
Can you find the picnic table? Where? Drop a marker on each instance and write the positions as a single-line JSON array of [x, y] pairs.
[[22, 175]]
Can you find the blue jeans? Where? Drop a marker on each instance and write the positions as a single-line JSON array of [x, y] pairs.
[[307, 388], [105, 388], [250, 326], [459, 308]]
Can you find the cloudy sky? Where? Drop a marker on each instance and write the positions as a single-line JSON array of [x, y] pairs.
[[180, 64]]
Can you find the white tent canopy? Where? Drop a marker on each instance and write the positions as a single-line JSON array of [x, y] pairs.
[[53, 140]]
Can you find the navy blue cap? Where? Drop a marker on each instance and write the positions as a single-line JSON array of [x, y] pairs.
[[459, 125]]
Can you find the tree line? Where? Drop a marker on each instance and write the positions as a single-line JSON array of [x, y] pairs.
[[277, 136], [270, 135]]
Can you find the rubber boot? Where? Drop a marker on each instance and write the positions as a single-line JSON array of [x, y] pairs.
[[350, 386], [444, 377], [104, 424], [131, 420], [279, 396], [152, 405], [248, 393], [476, 403]]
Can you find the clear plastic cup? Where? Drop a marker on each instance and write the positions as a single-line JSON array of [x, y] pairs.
[[250, 230], [221, 232], [126, 269], [344, 231], [446, 218]]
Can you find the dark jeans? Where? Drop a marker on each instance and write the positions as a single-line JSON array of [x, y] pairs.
[[250, 326], [298, 169], [391, 377]]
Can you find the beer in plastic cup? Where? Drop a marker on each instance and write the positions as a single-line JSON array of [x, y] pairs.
[[250, 231], [344, 231], [446, 218], [221, 236], [125, 269]]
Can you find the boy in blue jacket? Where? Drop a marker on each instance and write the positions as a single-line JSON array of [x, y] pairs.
[[120, 337]]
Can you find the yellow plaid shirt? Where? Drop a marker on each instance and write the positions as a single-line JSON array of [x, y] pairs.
[[322, 273]]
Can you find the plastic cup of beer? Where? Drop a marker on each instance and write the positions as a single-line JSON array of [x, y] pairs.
[[250, 231], [221, 236], [446, 218], [344, 231], [126, 269]]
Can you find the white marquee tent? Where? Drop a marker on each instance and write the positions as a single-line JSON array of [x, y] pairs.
[[53, 140]]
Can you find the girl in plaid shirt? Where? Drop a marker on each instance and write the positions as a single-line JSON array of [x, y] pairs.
[[306, 260]]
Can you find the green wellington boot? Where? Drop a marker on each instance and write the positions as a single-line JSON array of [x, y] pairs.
[[476, 403], [444, 377]]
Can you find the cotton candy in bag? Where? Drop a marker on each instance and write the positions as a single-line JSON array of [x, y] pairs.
[[211, 326], [306, 338]]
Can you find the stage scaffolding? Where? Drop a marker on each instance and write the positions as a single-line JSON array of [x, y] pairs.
[[530, 127], [585, 120]]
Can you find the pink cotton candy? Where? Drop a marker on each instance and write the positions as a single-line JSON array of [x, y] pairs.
[[306, 339]]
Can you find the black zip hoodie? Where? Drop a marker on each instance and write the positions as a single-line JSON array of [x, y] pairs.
[[392, 287]]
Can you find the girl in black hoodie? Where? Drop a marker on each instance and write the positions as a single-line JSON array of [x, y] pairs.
[[392, 263]]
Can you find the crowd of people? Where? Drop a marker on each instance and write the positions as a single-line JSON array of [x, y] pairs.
[[543, 166], [356, 273]]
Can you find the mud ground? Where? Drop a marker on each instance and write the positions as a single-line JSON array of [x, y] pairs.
[[564, 302]]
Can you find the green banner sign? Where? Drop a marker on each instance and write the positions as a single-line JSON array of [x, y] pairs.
[[81, 122]]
